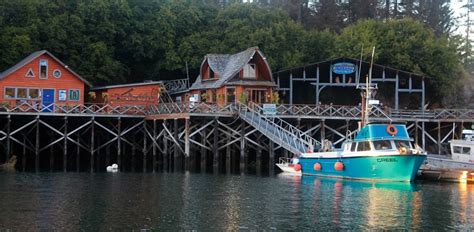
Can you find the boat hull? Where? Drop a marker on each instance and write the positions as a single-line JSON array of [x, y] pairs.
[[378, 168]]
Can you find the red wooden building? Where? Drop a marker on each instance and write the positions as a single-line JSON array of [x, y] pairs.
[[136, 94], [225, 78], [40, 80]]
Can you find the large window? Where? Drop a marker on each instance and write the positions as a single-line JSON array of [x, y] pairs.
[[43, 69], [21, 93]]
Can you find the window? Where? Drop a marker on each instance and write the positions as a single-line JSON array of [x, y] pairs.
[[57, 73], [353, 146], [43, 69], [62, 95], [30, 73], [363, 146], [230, 94], [33, 93], [466, 150], [400, 143], [214, 95], [9, 92], [249, 71], [22, 93], [462, 150], [211, 73], [383, 145], [74, 94]]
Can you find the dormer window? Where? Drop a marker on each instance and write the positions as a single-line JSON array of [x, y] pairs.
[[249, 71], [211, 74]]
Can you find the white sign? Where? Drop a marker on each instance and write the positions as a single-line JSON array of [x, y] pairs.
[[269, 109], [62, 95], [374, 102]]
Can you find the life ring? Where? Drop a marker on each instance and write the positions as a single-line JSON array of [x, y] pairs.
[[392, 130]]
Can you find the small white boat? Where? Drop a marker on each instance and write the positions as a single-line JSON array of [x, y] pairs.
[[459, 167], [289, 166]]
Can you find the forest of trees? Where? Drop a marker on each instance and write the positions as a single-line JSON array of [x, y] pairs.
[[118, 41]]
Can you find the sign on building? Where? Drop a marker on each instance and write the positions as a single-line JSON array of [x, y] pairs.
[[269, 109], [343, 68]]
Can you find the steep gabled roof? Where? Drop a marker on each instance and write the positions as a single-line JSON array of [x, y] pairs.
[[227, 66], [33, 56]]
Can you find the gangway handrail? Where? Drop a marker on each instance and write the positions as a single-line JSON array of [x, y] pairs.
[[283, 128]]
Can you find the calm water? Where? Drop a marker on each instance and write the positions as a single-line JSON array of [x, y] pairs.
[[214, 202]]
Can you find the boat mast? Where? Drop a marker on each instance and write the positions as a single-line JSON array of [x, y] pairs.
[[368, 92]]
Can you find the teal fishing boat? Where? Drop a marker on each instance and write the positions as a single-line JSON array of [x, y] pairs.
[[380, 151]]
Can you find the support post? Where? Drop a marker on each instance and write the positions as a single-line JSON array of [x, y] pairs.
[[323, 131], [65, 145], [242, 147], [92, 143], [215, 151], [9, 122], [228, 155], [317, 86], [37, 145], [271, 157], [176, 158], [439, 138], [154, 146], [119, 143], [203, 151], [144, 146], [23, 161], [188, 159], [78, 155], [165, 149], [423, 135]]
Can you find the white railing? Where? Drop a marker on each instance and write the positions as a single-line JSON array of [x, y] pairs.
[[99, 109]]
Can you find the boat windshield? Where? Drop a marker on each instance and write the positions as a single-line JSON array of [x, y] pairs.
[[402, 144], [383, 145]]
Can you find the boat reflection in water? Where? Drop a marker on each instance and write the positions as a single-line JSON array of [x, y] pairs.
[[358, 205]]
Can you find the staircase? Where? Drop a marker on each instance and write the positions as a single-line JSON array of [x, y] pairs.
[[278, 130]]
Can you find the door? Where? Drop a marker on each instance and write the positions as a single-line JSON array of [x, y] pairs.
[[47, 100], [258, 96]]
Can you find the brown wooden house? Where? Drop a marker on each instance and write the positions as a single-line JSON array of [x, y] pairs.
[[225, 78], [136, 94]]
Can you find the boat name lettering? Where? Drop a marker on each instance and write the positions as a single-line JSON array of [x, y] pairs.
[[386, 160]]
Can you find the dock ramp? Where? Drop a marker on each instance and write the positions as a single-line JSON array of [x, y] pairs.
[[278, 130]]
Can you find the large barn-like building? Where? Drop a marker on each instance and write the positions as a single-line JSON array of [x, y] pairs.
[[226, 78]]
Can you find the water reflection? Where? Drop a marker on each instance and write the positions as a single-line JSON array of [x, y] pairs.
[[187, 201]]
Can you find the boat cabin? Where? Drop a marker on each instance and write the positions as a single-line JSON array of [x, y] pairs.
[[462, 150], [380, 138], [230, 78], [41, 81]]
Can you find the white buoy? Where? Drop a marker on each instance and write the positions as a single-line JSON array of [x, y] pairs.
[[113, 168]]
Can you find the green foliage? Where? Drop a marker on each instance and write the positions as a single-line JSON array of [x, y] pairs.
[[408, 45], [110, 41]]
